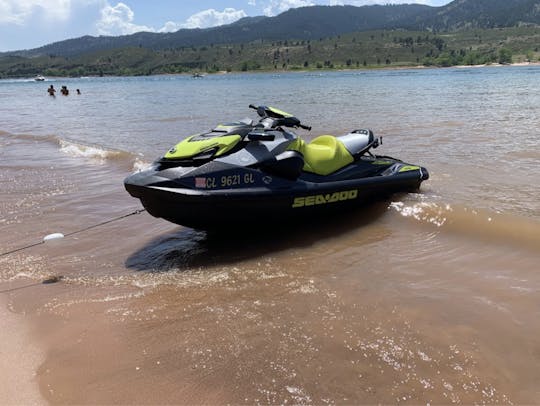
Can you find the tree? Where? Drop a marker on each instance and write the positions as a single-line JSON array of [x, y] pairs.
[[505, 56]]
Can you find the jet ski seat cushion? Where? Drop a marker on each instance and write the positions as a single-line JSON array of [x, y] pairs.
[[324, 155]]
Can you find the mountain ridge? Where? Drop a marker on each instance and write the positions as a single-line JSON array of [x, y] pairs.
[[308, 23]]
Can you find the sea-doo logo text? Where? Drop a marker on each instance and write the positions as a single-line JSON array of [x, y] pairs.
[[325, 199]]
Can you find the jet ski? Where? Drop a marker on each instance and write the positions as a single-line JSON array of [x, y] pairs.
[[241, 172]]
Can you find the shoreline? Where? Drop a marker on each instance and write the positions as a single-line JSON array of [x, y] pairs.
[[279, 71]]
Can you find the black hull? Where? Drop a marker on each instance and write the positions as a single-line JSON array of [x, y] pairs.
[[218, 209]]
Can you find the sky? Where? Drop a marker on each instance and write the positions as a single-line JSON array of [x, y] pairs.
[[27, 24]]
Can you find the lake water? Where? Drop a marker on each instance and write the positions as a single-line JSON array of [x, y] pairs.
[[429, 297]]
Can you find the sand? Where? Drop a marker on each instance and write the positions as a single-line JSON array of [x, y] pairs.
[[20, 357]]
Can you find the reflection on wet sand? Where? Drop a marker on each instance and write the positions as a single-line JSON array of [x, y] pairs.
[[187, 248]]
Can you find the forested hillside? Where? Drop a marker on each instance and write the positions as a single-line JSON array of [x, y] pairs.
[[318, 37]]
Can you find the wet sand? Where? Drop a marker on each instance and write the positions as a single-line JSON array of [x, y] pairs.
[[20, 357], [284, 327]]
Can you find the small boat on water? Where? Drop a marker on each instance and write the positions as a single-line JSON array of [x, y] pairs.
[[39, 78], [198, 75], [260, 174]]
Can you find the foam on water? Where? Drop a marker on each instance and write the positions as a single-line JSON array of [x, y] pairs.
[[472, 222], [78, 149], [16, 267], [91, 152], [423, 212], [140, 165]]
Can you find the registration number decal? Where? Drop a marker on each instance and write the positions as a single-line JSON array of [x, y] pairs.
[[227, 181]]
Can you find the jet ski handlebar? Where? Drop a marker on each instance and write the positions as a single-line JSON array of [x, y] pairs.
[[281, 118]]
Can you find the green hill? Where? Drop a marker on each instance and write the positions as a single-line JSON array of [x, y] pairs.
[[462, 32], [466, 14], [370, 49], [311, 23]]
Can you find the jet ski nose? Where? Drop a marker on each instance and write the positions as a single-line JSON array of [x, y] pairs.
[[136, 182], [424, 174]]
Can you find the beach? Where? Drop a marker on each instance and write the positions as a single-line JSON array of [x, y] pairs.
[[20, 357], [427, 297]]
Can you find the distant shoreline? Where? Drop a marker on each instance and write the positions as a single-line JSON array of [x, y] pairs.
[[262, 71]]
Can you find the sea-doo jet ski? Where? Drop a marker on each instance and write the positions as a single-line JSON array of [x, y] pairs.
[[239, 172]]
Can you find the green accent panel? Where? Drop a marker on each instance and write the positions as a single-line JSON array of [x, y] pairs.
[[324, 155], [188, 148], [297, 145], [382, 162], [408, 168], [278, 111]]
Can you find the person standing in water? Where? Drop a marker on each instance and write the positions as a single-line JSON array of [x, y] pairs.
[[51, 90]]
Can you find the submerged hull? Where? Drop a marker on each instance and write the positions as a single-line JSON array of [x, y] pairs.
[[244, 207]]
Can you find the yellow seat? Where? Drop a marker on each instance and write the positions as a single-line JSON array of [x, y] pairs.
[[324, 155]]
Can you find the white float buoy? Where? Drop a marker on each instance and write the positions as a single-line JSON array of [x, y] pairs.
[[53, 236]]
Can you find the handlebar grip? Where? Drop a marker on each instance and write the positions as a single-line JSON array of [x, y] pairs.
[[251, 106], [305, 127]]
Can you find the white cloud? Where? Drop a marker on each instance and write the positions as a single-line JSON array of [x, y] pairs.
[[371, 2], [20, 11], [205, 19], [213, 18], [170, 26], [118, 20], [278, 6]]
